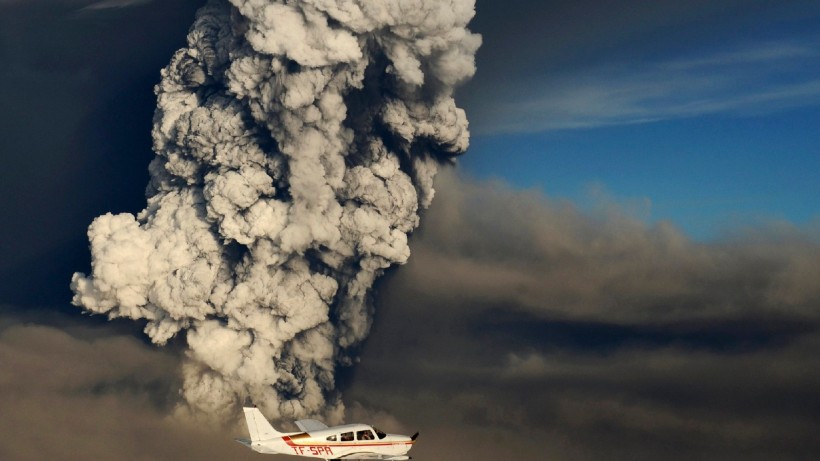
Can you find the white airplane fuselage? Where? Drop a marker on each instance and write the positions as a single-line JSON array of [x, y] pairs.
[[351, 441]]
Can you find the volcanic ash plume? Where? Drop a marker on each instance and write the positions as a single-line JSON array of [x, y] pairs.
[[295, 143]]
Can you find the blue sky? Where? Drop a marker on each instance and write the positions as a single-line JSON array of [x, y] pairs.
[[703, 115]]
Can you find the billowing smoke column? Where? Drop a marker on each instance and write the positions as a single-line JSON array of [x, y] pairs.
[[295, 142]]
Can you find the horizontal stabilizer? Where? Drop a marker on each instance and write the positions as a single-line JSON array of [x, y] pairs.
[[376, 456], [245, 442], [310, 425]]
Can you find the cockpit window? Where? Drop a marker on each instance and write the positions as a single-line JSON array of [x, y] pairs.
[[332, 438], [364, 435], [379, 433], [347, 436]]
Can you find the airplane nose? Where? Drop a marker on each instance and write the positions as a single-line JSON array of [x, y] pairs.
[[395, 438]]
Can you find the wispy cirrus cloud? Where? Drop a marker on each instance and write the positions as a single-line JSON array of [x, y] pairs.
[[108, 4], [754, 79], [83, 5]]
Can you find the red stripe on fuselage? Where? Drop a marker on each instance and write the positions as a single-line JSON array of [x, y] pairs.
[[290, 443]]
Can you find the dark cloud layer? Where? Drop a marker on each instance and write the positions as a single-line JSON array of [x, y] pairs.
[[71, 392], [524, 328]]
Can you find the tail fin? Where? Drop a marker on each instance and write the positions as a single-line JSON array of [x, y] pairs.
[[258, 427]]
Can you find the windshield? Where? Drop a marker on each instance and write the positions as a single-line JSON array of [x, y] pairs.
[[379, 433]]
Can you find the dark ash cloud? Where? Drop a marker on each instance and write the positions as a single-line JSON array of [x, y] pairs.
[[295, 144], [73, 392], [524, 328]]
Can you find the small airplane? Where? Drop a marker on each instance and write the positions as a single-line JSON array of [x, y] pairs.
[[351, 441]]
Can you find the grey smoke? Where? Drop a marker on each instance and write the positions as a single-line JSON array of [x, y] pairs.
[[295, 144]]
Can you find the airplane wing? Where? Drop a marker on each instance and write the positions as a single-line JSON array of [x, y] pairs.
[[310, 425], [376, 456]]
